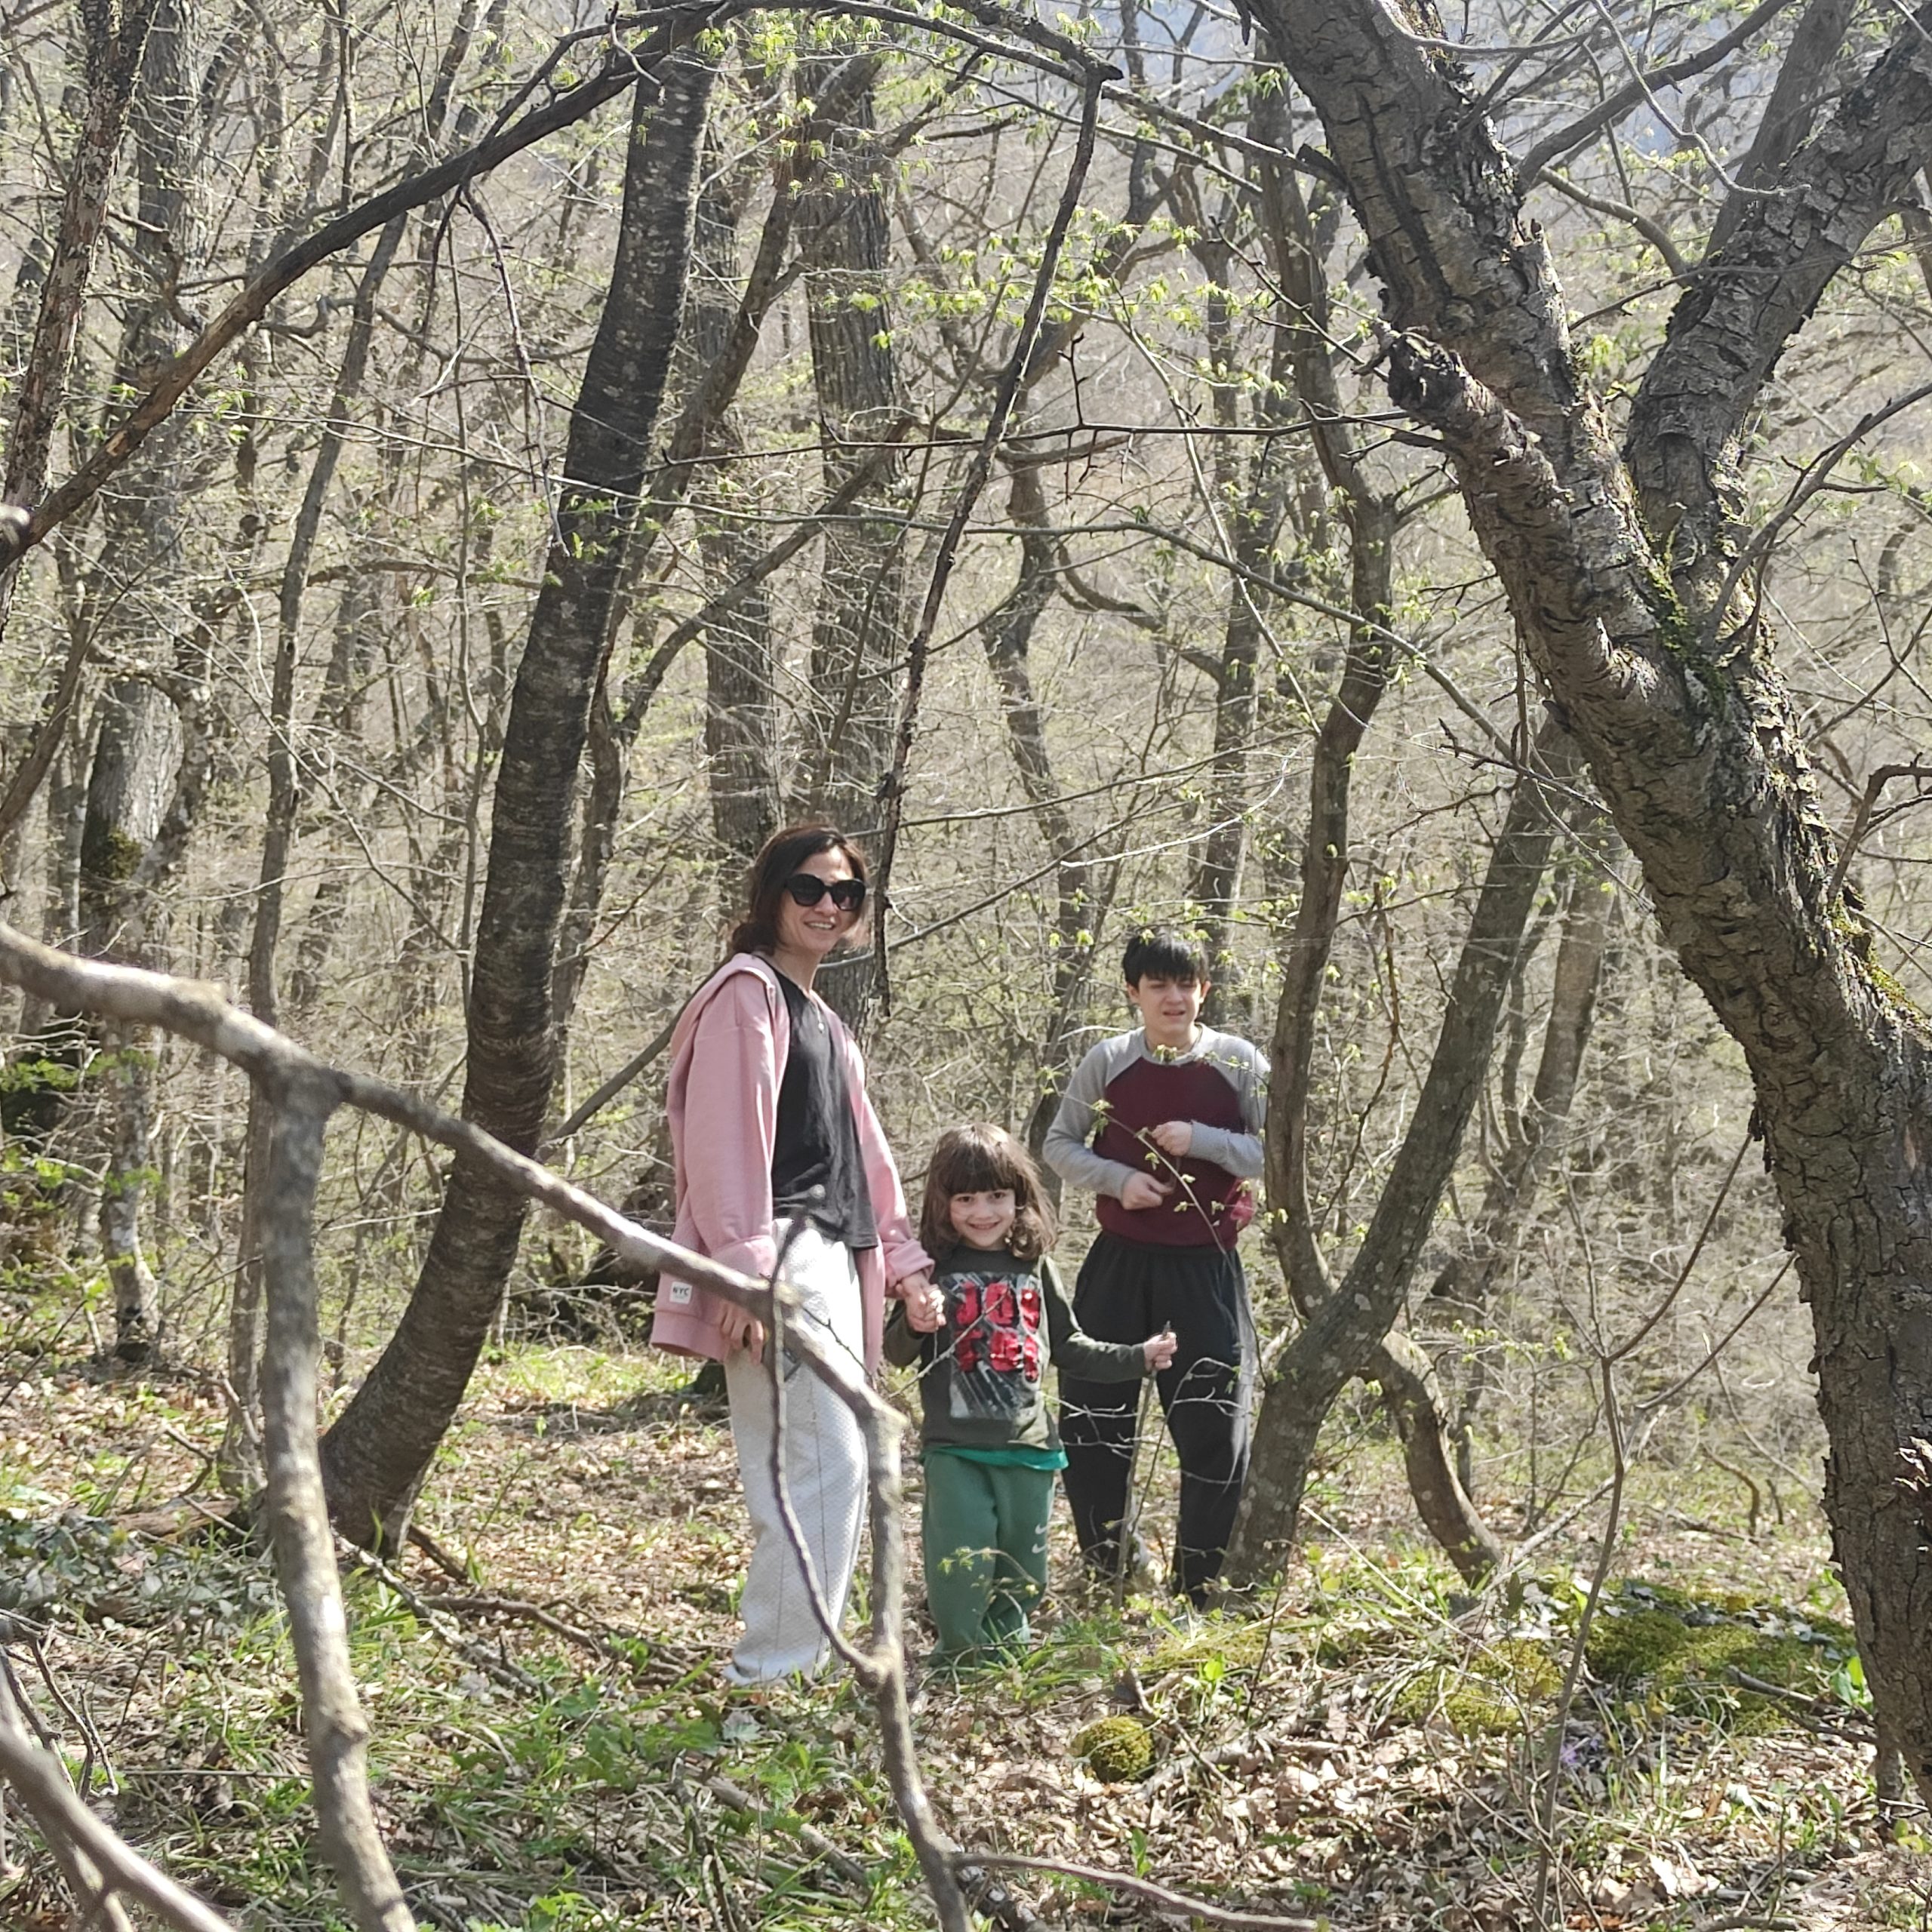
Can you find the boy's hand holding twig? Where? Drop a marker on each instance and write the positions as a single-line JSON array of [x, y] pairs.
[[925, 1307], [1159, 1349], [1174, 1137], [1142, 1191]]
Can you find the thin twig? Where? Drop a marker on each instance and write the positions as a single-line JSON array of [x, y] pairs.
[[814, 1841]]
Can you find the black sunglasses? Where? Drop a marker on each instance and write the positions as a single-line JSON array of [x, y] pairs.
[[807, 889]]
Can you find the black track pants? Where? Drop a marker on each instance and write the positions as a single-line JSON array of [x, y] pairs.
[[1127, 1291]]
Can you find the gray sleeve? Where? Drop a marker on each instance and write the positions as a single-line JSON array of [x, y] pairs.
[[1247, 1072], [1079, 1120]]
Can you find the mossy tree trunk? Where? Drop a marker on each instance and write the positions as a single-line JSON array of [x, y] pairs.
[[137, 610]]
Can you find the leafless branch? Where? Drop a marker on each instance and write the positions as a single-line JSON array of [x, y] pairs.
[[307, 1090], [97, 1860], [1145, 1888]]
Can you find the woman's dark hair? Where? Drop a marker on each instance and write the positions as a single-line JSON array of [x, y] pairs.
[[1159, 952], [778, 858], [984, 1159]]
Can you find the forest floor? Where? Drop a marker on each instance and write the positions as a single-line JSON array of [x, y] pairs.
[[552, 1749]]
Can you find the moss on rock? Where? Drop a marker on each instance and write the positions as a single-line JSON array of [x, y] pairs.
[[1117, 1750], [1685, 1649], [1488, 1696]]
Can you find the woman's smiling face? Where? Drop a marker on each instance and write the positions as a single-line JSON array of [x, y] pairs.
[[814, 930]]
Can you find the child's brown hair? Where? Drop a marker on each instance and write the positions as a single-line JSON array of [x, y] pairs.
[[984, 1159]]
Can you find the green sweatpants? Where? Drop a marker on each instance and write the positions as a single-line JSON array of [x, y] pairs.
[[986, 1546]]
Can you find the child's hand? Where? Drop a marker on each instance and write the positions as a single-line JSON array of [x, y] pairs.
[[1159, 1349], [1174, 1137], [925, 1307], [1142, 1190]]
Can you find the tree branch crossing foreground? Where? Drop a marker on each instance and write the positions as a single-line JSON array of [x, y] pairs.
[[303, 1092]]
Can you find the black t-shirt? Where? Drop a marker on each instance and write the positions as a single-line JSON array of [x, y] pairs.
[[817, 1170]]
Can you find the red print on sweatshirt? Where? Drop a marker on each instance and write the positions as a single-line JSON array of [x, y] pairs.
[[993, 1322]]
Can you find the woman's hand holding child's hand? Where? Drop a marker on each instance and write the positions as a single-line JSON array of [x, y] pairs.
[[740, 1329], [1159, 1349], [925, 1307]]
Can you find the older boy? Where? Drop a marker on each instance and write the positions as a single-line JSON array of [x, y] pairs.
[[1164, 1124]]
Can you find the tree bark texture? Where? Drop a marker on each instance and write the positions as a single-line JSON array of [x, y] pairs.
[[1622, 570], [284, 785], [740, 659], [1080, 889], [1469, 1279], [845, 236], [116, 37], [723, 338], [134, 605], [1299, 382], [116, 41], [377, 1452]]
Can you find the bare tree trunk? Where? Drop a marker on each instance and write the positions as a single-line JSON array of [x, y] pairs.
[[116, 39], [285, 790], [741, 656], [1468, 1279], [137, 592], [1081, 890], [702, 429], [844, 234], [1298, 384], [377, 1453]]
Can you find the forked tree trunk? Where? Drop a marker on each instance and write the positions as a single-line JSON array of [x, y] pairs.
[[375, 1456], [1345, 1328], [1623, 572]]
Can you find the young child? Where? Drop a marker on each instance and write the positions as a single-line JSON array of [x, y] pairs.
[[1164, 1123], [990, 1445]]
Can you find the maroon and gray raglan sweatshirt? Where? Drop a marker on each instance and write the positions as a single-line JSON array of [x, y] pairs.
[[1122, 1089]]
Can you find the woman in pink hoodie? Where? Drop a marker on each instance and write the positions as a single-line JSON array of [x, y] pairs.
[[779, 1152]]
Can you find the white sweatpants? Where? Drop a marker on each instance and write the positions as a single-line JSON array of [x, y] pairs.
[[824, 1467]]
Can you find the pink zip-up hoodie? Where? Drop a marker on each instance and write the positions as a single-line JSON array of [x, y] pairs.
[[727, 1057]]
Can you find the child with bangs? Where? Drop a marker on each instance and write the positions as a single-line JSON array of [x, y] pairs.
[[991, 1447]]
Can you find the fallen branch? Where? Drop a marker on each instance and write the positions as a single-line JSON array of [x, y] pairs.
[[1143, 1888], [814, 1841], [98, 1861], [440, 1624]]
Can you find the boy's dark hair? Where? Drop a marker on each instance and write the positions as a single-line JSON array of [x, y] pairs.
[[778, 858], [984, 1159], [1159, 952]]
